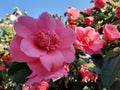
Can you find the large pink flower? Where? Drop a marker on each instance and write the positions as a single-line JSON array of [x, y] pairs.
[[72, 14], [111, 33], [44, 44], [88, 40], [99, 3]]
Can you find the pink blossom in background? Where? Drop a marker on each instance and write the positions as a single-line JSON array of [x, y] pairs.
[[45, 44], [25, 87], [88, 40], [99, 3], [88, 20], [7, 59], [1, 88], [117, 13], [2, 67], [87, 75], [72, 26], [88, 11], [40, 86], [72, 14], [111, 33]]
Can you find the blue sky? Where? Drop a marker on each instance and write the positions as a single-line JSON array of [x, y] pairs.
[[36, 7]]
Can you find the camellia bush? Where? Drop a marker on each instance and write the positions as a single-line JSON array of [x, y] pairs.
[[48, 53]]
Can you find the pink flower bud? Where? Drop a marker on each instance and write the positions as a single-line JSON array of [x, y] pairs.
[[88, 20]]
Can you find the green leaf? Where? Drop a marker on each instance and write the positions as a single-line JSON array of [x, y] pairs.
[[101, 15], [79, 62], [1, 53], [115, 86], [110, 69], [18, 72], [98, 60]]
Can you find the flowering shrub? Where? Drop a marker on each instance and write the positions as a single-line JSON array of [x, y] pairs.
[[82, 53]]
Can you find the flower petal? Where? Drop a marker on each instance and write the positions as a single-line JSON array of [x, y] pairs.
[[98, 44], [41, 74], [30, 49], [70, 51], [52, 60], [25, 26], [66, 35], [46, 22], [16, 53]]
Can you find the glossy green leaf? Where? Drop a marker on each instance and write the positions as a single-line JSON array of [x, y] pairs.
[[101, 15], [18, 72], [98, 60], [115, 86], [110, 69]]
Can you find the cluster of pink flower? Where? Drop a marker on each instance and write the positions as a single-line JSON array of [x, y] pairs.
[[5, 60], [88, 39], [87, 75], [37, 86]]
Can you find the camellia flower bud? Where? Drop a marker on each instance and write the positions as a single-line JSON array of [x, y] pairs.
[[88, 20]]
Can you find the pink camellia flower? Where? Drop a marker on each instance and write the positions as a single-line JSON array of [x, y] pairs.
[[117, 13], [88, 40], [99, 3], [111, 33], [45, 44], [88, 20], [72, 14]]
